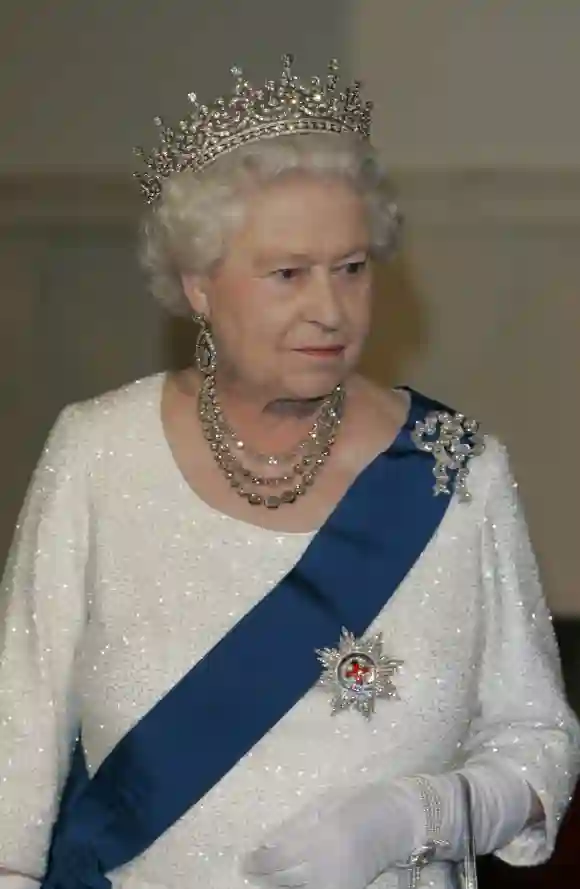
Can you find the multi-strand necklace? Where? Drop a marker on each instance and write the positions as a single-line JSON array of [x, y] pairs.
[[284, 477]]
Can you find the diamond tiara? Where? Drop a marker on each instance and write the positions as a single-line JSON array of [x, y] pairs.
[[282, 107]]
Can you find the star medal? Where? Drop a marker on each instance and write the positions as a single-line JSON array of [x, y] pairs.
[[357, 673]]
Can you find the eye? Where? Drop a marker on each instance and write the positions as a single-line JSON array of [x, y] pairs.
[[355, 268], [352, 268], [288, 274]]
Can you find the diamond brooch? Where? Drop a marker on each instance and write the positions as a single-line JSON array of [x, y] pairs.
[[453, 440], [357, 673]]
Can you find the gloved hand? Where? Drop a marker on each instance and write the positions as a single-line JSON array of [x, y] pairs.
[[343, 845], [347, 840]]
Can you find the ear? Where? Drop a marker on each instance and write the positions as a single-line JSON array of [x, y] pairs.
[[194, 290]]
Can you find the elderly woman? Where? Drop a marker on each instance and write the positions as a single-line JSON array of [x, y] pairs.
[[268, 623]]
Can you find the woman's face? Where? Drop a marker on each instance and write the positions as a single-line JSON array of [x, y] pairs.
[[289, 304]]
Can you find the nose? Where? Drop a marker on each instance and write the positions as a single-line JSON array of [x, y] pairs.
[[324, 303]]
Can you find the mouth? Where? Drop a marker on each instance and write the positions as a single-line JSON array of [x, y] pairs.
[[322, 351]]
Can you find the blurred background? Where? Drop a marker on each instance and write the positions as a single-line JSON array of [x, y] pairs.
[[476, 116]]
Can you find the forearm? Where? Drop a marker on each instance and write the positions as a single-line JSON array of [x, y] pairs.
[[502, 806]]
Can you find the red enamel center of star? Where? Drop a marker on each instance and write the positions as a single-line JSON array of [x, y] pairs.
[[358, 672]]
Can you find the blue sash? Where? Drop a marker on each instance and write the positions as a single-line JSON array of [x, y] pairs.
[[255, 674]]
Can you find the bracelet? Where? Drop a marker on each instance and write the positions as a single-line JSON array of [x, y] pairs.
[[425, 854]]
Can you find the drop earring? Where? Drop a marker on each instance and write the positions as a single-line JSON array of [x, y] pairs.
[[205, 351]]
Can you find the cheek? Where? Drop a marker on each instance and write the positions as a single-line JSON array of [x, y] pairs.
[[232, 308], [359, 304], [250, 327]]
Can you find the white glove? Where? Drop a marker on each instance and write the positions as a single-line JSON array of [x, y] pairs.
[[348, 840]]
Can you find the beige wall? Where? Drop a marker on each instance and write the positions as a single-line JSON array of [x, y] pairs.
[[81, 81], [460, 82], [474, 116], [472, 83]]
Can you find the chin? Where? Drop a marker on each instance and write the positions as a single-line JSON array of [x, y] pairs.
[[314, 385]]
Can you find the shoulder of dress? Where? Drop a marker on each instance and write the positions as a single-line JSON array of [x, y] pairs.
[[122, 405], [494, 459], [88, 430]]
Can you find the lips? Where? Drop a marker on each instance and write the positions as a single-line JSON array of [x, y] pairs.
[[322, 351]]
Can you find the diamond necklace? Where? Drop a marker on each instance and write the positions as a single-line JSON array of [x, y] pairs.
[[305, 461]]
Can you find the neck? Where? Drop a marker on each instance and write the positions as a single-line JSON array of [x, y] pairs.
[[268, 423], [293, 408]]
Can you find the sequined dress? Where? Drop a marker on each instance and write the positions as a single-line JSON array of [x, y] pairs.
[[120, 579]]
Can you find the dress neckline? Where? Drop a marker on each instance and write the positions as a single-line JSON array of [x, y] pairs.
[[242, 524]]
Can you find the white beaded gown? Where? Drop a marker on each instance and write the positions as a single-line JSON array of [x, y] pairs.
[[120, 579]]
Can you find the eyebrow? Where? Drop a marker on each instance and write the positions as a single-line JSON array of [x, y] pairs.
[[281, 260]]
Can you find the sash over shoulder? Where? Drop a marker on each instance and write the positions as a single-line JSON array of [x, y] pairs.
[[170, 759]]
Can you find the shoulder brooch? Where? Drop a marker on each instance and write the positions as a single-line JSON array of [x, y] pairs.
[[454, 440]]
